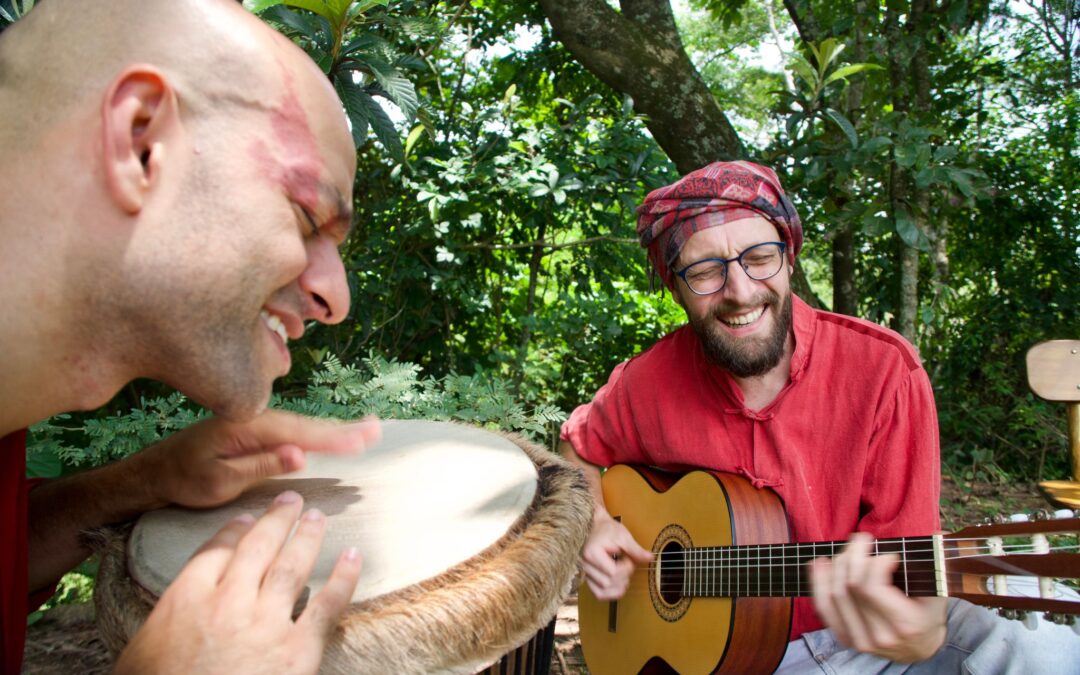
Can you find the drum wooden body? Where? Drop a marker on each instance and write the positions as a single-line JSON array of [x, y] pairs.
[[470, 539]]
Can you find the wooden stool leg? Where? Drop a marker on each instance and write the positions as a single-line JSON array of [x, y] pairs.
[[1074, 438]]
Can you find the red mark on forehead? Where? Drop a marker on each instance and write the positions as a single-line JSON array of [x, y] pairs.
[[291, 158]]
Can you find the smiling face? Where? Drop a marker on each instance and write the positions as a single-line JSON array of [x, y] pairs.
[[248, 249], [745, 328]]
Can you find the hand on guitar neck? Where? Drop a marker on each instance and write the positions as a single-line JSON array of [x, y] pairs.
[[855, 596]]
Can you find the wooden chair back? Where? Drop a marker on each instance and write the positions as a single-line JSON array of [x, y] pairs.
[[1053, 370]]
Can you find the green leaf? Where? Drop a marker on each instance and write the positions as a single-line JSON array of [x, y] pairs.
[[801, 68], [908, 229], [260, 6], [352, 97], [383, 127], [962, 179], [844, 124], [414, 136], [319, 7], [43, 464], [304, 24], [875, 144], [876, 225], [906, 155], [846, 71], [398, 89]]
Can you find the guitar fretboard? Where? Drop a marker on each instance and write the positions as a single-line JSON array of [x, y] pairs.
[[780, 570]]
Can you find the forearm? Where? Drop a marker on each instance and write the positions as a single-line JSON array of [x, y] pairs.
[[592, 475], [61, 510]]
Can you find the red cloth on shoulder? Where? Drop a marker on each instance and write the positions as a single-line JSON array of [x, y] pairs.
[[15, 599], [851, 443]]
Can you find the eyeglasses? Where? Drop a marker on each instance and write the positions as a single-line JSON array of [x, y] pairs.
[[760, 262]]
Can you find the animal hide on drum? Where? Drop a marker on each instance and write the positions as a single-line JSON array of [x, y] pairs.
[[457, 622]]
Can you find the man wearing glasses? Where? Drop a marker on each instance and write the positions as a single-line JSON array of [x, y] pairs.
[[834, 413]]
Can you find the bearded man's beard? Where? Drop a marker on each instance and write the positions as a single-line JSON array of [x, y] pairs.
[[749, 356]]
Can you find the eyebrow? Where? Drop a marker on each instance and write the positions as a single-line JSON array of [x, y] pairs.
[[342, 212]]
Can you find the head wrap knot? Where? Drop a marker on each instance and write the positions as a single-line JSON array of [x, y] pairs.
[[720, 193]]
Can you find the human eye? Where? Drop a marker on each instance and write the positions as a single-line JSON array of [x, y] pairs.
[[308, 224], [706, 270], [761, 256]]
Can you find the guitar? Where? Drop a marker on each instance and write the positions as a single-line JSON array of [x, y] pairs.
[[718, 596]]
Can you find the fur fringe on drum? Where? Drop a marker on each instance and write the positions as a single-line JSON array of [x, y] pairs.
[[436, 626]]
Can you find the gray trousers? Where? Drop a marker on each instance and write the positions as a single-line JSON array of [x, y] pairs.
[[978, 642]]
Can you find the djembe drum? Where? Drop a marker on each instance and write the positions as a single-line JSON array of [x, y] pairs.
[[470, 539]]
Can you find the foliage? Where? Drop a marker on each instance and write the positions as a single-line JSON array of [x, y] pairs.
[[77, 586], [13, 10], [375, 386], [342, 37]]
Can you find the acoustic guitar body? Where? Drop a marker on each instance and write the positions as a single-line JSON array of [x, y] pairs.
[[655, 628]]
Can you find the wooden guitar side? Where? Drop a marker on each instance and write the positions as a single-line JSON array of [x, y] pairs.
[[640, 632]]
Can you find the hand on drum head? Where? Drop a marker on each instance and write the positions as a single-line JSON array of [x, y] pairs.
[[610, 557], [212, 462], [229, 610]]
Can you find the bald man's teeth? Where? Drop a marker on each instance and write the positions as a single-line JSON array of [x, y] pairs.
[[745, 319], [275, 325]]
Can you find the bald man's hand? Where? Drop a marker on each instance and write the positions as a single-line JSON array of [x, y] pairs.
[[212, 462], [230, 609]]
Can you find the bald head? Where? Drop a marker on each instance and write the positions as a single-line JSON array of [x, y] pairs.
[[63, 54]]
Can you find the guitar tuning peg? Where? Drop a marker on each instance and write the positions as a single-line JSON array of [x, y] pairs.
[[1018, 518], [1076, 627], [1064, 514], [1030, 620]]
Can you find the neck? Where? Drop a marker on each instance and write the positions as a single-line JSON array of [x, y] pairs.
[[762, 390], [53, 360]]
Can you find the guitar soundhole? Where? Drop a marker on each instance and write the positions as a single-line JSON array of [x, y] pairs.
[[667, 572], [672, 573]]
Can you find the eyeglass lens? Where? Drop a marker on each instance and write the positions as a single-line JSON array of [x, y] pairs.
[[760, 262]]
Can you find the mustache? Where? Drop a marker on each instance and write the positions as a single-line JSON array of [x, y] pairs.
[[764, 298]]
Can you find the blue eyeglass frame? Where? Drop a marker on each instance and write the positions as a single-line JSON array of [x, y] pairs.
[[727, 262]]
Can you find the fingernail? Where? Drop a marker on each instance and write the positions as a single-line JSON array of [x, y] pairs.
[[244, 519], [351, 554], [287, 497], [313, 515]]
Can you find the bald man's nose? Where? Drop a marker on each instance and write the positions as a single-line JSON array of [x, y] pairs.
[[326, 291]]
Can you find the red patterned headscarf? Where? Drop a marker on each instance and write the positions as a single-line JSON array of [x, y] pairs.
[[720, 193]]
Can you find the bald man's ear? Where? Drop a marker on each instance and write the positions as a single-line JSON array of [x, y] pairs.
[[139, 114]]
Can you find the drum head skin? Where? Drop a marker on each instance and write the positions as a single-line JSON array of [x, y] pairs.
[[430, 495]]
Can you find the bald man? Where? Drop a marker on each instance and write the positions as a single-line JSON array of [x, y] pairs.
[[178, 178]]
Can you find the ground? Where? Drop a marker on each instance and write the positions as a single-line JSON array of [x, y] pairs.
[[65, 640]]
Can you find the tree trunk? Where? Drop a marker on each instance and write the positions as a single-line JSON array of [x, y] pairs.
[[639, 52]]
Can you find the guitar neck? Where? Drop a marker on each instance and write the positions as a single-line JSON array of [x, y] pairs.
[[780, 570]]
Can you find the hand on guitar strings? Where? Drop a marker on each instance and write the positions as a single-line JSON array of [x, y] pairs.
[[855, 597], [230, 609], [610, 557], [212, 462]]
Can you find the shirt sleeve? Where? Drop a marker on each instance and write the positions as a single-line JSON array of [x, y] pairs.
[[902, 484], [603, 431]]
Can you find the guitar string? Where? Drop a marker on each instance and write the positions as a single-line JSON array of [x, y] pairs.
[[743, 554]]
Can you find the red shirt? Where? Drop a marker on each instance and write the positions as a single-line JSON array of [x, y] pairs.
[[13, 571], [850, 443]]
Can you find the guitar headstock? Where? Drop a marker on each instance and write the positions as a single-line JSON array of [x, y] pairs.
[[1020, 564]]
